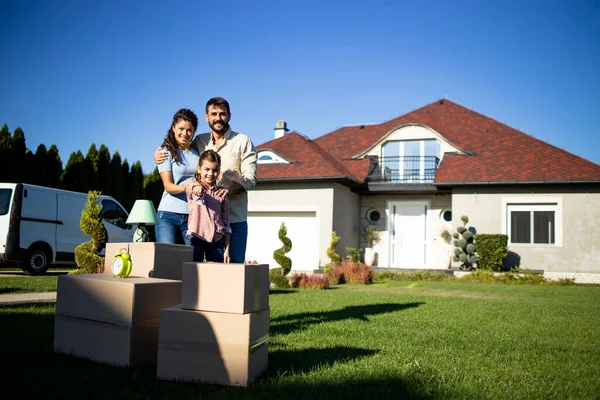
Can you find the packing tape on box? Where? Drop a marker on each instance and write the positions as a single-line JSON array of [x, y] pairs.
[[211, 348], [142, 324]]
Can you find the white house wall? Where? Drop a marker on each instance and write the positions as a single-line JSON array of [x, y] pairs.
[[316, 198], [346, 218], [437, 251], [577, 249]]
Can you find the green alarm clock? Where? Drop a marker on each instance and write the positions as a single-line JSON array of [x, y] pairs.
[[121, 265]]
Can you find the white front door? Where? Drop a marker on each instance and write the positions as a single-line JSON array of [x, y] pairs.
[[408, 234]]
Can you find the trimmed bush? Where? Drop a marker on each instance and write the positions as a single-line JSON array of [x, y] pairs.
[[86, 254], [278, 279], [464, 246], [353, 254], [492, 250], [335, 258], [309, 281], [279, 254]]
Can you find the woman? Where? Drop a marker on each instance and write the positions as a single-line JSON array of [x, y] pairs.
[[180, 165]]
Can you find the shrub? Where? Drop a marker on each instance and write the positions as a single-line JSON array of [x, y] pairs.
[[418, 275], [309, 281], [335, 258], [278, 279], [352, 273], [353, 254], [492, 250], [279, 254], [464, 247], [86, 254]]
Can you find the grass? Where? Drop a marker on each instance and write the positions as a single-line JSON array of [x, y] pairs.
[[415, 340], [24, 284]]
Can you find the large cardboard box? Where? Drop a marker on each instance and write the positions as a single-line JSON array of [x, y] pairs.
[[228, 288], [149, 259], [111, 320], [209, 347]]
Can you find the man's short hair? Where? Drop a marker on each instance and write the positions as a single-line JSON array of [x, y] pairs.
[[219, 102]]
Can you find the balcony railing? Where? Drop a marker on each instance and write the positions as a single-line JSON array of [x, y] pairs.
[[406, 169]]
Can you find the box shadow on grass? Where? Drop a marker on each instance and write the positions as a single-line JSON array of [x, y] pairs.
[[28, 350], [288, 323]]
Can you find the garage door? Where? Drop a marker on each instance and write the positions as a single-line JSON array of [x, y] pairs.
[[263, 239]]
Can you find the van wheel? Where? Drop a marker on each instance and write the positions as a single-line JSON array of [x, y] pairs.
[[36, 262]]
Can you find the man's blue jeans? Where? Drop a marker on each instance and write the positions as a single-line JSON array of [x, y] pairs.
[[172, 228], [237, 244]]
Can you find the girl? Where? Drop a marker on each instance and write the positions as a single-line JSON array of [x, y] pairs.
[[180, 165], [208, 224]]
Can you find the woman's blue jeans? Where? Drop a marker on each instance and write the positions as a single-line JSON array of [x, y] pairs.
[[172, 228]]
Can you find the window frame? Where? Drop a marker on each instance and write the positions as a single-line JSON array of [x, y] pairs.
[[532, 204]]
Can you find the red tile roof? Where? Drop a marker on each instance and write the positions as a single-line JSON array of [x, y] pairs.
[[498, 153], [308, 160]]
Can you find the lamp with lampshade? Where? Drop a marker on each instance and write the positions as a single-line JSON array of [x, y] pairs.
[[142, 214]]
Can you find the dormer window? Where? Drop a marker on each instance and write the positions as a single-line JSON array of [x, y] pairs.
[[269, 157], [410, 160]]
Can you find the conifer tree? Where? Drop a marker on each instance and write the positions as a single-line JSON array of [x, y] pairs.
[[153, 187], [74, 177], [55, 168], [40, 172], [136, 180], [18, 150], [5, 155], [91, 167], [104, 169], [116, 180], [127, 189]]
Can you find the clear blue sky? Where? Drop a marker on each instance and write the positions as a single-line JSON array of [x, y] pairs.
[[73, 73]]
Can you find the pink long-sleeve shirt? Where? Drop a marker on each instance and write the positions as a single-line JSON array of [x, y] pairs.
[[209, 222]]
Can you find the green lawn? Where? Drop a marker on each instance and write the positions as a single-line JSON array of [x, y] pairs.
[[419, 340]]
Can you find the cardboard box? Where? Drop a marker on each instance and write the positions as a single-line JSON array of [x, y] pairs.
[[149, 259], [209, 347], [228, 288], [111, 320]]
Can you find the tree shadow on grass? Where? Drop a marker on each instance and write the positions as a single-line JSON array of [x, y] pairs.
[[288, 323], [285, 362], [5, 290]]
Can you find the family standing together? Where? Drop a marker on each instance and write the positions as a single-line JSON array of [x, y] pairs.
[[206, 181]]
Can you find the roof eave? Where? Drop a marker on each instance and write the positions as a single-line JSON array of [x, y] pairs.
[[515, 182]]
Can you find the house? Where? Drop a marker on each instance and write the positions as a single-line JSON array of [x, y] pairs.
[[415, 176]]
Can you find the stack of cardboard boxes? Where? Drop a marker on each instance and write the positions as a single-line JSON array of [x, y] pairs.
[[114, 320], [219, 333], [206, 322]]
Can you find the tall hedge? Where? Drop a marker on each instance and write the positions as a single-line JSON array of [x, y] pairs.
[[492, 250]]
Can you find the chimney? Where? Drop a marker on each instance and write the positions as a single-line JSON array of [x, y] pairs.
[[281, 129]]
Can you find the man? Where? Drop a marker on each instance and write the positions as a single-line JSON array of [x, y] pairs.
[[238, 170]]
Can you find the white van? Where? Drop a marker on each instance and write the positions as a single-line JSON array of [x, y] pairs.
[[40, 225]]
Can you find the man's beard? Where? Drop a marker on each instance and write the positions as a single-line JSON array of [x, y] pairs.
[[221, 130]]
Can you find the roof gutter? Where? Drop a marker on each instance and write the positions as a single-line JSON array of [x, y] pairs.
[[545, 182]]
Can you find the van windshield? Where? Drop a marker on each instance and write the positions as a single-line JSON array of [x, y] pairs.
[[5, 196]]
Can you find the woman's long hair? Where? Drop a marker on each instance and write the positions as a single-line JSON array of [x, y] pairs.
[[170, 143]]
